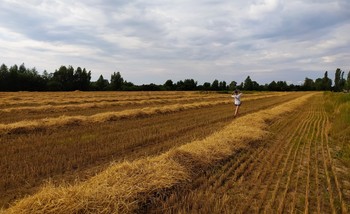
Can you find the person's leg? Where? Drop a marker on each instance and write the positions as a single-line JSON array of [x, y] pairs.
[[236, 112]]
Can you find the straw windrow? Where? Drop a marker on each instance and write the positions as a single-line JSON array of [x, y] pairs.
[[42, 124], [123, 187]]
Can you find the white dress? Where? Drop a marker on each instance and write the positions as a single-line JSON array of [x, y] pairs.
[[237, 98]]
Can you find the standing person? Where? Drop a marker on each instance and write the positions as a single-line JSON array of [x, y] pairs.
[[237, 100]]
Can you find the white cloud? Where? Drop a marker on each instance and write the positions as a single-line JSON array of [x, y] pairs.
[[162, 39], [263, 7]]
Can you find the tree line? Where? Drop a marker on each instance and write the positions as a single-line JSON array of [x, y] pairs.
[[67, 78]]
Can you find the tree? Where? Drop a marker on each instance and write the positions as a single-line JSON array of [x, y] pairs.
[[101, 84], [255, 86], [337, 80], [116, 81], [215, 85], [63, 79], [348, 82], [13, 78], [326, 82], [308, 84], [180, 85], [206, 86], [272, 86], [168, 85], [342, 82], [22, 69], [4, 78], [150, 87], [319, 84], [190, 84], [129, 86], [222, 86], [82, 79], [233, 85], [248, 84]]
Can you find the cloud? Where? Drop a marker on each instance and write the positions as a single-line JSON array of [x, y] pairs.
[[152, 41], [262, 8]]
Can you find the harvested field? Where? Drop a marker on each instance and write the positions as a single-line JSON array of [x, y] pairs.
[[234, 165]]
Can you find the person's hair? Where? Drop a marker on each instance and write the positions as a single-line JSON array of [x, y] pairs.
[[236, 91]]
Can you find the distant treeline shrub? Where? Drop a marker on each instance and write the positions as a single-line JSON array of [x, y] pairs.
[[66, 78]]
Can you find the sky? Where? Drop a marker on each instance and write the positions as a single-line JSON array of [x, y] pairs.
[[151, 41]]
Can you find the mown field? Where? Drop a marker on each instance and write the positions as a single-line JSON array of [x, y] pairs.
[[174, 152]]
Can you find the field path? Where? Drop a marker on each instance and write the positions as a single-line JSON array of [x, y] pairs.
[[291, 171]]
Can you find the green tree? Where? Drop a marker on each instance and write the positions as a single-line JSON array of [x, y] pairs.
[[180, 85], [63, 79], [190, 84], [248, 84], [308, 85], [13, 78], [168, 85], [255, 86], [326, 82], [348, 82], [4, 78], [342, 82], [233, 85], [206, 86], [215, 85], [82, 79], [116, 81], [319, 84], [101, 84], [272, 86], [337, 79], [222, 86]]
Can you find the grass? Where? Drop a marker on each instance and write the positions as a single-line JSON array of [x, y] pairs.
[[338, 109]]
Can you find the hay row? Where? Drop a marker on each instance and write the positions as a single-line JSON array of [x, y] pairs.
[[42, 124], [59, 100], [123, 187], [99, 104], [102, 104], [72, 98]]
